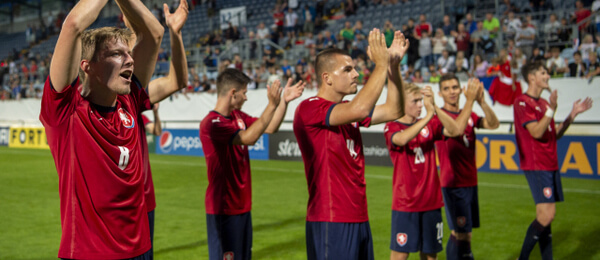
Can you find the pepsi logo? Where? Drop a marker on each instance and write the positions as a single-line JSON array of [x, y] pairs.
[[401, 239], [166, 141], [548, 192], [126, 118]]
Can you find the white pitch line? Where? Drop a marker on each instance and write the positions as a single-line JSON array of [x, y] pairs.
[[386, 177]]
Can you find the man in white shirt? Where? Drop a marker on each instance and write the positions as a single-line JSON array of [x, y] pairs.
[[291, 18], [556, 65]]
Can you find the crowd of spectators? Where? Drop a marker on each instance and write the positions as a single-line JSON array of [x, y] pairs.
[[459, 44]]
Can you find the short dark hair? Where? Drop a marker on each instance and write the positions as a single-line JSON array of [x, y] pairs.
[[446, 77], [231, 78], [530, 68], [577, 53], [325, 59]]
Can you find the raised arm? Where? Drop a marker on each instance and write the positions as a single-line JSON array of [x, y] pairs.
[[363, 103], [490, 121], [578, 108], [394, 104], [154, 127], [64, 66], [177, 78], [402, 138], [290, 92], [253, 133], [538, 128], [148, 32]]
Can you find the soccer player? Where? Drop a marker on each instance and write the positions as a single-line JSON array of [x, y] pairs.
[[458, 171], [92, 132], [327, 132], [417, 224], [225, 134], [536, 136]]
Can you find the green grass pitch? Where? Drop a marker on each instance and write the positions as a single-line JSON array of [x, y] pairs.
[[30, 215]]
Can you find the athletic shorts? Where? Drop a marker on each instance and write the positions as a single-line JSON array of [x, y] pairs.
[[462, 208], [545, 186], [417, 231], [329, 241], [229, 236], [151, 223]]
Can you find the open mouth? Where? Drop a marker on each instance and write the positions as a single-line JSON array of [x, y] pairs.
[[126, 75]]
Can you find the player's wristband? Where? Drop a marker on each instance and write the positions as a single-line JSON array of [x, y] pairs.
[[549, 112]]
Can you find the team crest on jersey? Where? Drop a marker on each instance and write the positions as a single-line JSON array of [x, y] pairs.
[[126, 118], [228, 255], [425, 132], [461, 221], [401, 239], [470, 122], [241, 124], [548, 192], [355, 124]]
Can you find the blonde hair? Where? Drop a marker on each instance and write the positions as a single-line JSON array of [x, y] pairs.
[[93, 40], [411, 88]]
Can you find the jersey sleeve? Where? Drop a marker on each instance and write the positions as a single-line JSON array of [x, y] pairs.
[[525, 112], [145, 120], [57, 106], [316, 112], [388, 132], [477, 120], [436, 128], [367, 121], [248, 120]]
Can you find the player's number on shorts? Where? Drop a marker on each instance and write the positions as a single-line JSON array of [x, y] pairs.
[[419, 157], [123, 158], [440, 230]]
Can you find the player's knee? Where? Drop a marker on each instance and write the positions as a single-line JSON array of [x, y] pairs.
[[425, 256], [546, 218], [398, 255]]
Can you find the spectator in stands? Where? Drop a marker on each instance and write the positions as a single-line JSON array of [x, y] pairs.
[[525, 39], [531, 22], [447, 25], [462, 60], [596, 9], [308, 15], [556, 64], [491, 24], [518, 60], [347, 32], [416, 78], [278, 17], [329, 40], [552, 29], [481, 39], [470, 24], [262, 77], [232, 33], [423, 26], [413, 49], [262, 32], [511, 25], [349, 8], [285, 67], [505, 88], [445, 62], [462, 40], [479, 67], [537, 55], [358, 28], [439, 43], [291, 20], [237, 63], [593, 67], [388, 31], [33, 71], [580, 14], [587, 46], [42, 70], [425, 50], [510, 8], [434, 76], [577, 68]]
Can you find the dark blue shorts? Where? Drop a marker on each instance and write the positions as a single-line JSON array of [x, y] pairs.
[[545, 186], [417, 231], [229, 236], [151, 223], [349, 241], [145, 256], [462, 208]]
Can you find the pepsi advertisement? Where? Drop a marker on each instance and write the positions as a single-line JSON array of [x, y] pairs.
[[187, 142]]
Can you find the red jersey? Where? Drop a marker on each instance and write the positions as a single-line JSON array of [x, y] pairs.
[[229, 189], [419, 28], [535, 154], [501, 88], [99, 159], [416, 186], [334, 164], [148, 183], [457, 155]]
